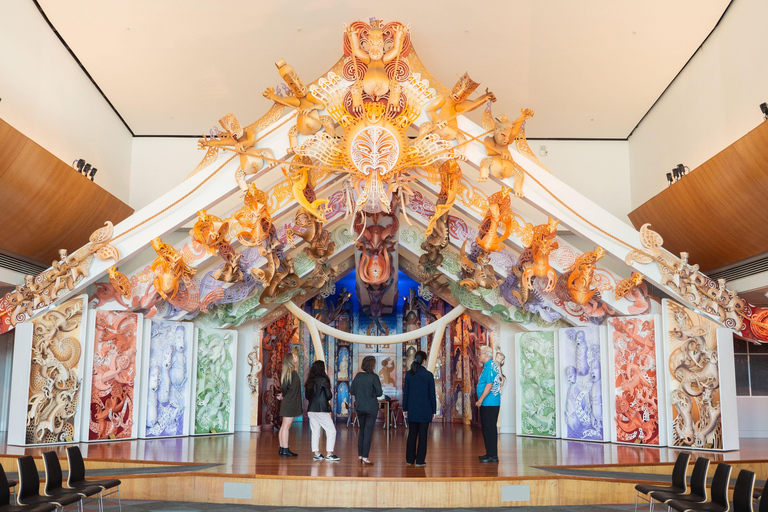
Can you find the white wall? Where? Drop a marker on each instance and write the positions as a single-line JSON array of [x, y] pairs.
[[158, 164], [753, 416], [46, 96], [597, 169], [714, 102]]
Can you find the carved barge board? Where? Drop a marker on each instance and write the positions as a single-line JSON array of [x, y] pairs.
[[583, 375], [166, 377], [215, 371], [700, 378], [537, 404], [65, 350], [639, 364], [113, 363]]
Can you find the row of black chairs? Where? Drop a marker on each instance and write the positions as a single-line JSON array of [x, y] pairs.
[[55, 495], [677, 497]]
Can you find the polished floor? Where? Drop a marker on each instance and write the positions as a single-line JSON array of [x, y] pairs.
[[452, 453]]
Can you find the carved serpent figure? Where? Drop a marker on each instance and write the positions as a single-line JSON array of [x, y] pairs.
[[299, 177]]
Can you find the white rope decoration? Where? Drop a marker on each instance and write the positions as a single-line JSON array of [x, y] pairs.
[[437, 328]]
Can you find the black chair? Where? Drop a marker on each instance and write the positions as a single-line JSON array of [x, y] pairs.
[[679, 484], [744, 491], [719, 489], [13, 483], [5, 498], [76, 479], [698, 492], [54, 478], [29, 486], [763, 501]]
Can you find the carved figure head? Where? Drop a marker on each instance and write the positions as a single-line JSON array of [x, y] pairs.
[[463, 88], [376, 40], [502, 130], [291, 78], [154, 378], [178, 339]]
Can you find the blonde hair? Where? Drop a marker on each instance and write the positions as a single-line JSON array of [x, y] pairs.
[[288, 368]]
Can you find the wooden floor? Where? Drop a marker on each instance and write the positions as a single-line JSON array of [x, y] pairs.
[[452, 453]]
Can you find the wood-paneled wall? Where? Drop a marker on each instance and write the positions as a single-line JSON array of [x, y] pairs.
[[45, 204], [717, 212]]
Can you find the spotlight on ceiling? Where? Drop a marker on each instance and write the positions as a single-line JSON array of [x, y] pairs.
[[764, 110], [669, 178], [682, 170], [78, 165], [93, 173]]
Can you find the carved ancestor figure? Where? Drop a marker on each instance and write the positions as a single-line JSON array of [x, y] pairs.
[[308, 119], [256, 218], [240, 140], [277, 277], [450, 178], [366, 44], [170, 269], [253, 376], [231, 272], [580, 277], [543, 243], [477, 275], [499, 162], [444, 110], [209, 231], [375, 266], [499, 212]]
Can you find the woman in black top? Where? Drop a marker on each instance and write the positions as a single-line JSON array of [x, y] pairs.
[[419, 406], [291, 401], [317, 390], [366, 388]]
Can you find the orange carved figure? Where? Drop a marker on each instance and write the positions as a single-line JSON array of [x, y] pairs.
[[543, 243], [499, 212], [581, 273]]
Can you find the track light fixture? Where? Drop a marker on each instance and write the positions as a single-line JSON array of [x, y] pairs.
[[84, 168], [764, 110]]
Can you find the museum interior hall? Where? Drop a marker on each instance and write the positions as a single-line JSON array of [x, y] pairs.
[[391, 255]]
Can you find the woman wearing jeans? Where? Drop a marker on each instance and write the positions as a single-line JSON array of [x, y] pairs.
[[366, 388]]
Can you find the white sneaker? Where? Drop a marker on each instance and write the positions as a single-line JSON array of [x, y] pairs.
[[319, 456], [331, 458]]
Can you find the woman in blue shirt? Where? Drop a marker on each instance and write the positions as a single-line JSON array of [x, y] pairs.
[[488, 402]]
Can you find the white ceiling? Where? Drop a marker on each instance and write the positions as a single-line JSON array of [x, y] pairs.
[[589, 69]]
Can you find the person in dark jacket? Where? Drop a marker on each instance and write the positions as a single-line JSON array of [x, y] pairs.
[[419, 407], [291, 406], [317, 390], [366, 388]]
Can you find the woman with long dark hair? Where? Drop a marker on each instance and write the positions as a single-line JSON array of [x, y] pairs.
[[419, 406], [291, 406], [317, 390], [366, 388]]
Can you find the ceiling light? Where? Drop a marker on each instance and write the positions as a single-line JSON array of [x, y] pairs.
[[764, 110]]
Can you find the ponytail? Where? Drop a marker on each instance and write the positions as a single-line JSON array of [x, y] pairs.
[[418, 360]]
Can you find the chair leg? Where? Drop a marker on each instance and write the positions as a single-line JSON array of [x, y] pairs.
[[637, 498]]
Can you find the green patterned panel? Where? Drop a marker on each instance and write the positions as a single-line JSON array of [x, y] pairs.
[[536, 399]]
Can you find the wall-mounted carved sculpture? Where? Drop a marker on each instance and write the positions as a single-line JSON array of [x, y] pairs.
[[450, 179], [213, 395], [231, 271], [54, 383], [120, 282], [377, 55], [239, 140], [375, 243], [444, 110], [537, 255], [41, 291], [170, 270], [687, 281], [478, 274], [308, 120], [303, 185], [256, 217], [581, 274], [209, 231], [112, 407], [499, 162], [499, 212], [627, 285]]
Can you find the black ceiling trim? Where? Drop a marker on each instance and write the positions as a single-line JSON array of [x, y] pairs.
[[681, 69], [42, 13]]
